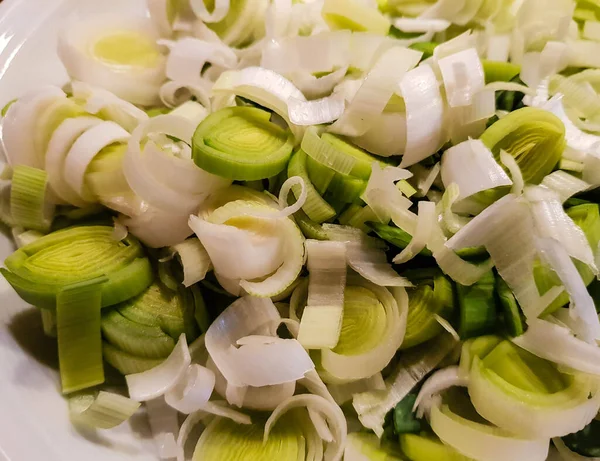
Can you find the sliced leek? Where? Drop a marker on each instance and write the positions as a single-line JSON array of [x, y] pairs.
[[28, 200], [241, 143], [40, 270], [103, 410]]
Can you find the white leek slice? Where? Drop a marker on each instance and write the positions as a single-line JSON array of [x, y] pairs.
[[387, 137], [426, 220], [321, 323], [557, 344], [333, 415], [552, 222], [317, 87], [116, 53], [515, 172], [424, 114], [254, 398], [157, 381], [218, 13], [421, 25], [439, 381], [375, 92], [19, 126], [343, 393], [83, 151], [59, 146], [564, 184], [158, 228], [262, 86], [164, 425], [194, 259], [463, 76], [161, 178], [351, 361], [544, 416], [173, 93], [365, 255], [471, 166], [163, 13], [482, 442], [254, 364], [413, 366], [506, 229], [188, 56], [103, 103], [316, 112], [583, 310], [193, 391], [297, 54], [104, 410], [384, 198], [274, 245]]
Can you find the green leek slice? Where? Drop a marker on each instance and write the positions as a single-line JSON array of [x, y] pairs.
[[477, 305], [103, 410], [498, 71], [317, 209], [241, 143], [224, 439], [586, 442], [337, 153], [404, 417], [28, 205], [427, 448], [79, 341], [149, 325], [320, 175], [353, 15], [510, 308], [432, 296], [367, 447], [534, 137], [40, 270], [125, 363]]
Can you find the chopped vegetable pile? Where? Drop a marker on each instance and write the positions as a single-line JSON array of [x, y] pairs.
[[320, 230]]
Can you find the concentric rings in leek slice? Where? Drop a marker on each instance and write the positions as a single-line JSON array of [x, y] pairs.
[[534, 137], [241, 143], [40, 270], [224, 439], [433, 295]]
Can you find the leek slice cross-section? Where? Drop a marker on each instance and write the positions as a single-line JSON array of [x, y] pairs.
[[241, 143], [41, 269], [79, 339], [534, 137], [28, 200]]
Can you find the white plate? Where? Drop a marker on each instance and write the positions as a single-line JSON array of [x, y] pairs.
[[34, 423]]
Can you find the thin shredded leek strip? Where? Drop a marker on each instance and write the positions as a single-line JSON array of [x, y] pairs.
[[28, 199], [241, 143], [79, 339], [477, 305], [103, 410]]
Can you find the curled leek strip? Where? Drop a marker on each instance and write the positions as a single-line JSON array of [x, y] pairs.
[[534, 137], [241, 143], [103, 410], [40, 270], [147, 326], [272, 246]]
